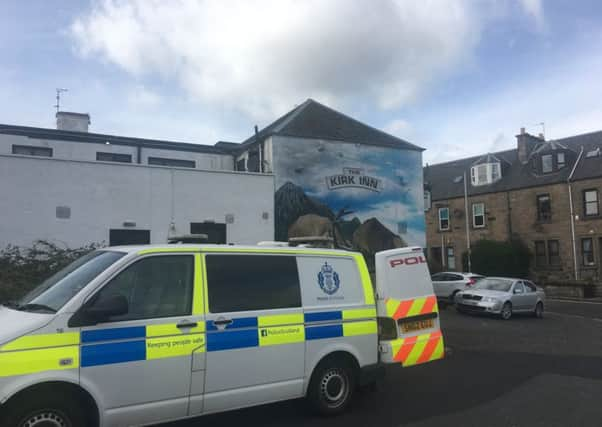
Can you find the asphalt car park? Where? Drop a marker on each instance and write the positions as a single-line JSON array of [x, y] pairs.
[[520, 372]]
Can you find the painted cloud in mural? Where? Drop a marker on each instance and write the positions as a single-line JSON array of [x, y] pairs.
[[373, 182]]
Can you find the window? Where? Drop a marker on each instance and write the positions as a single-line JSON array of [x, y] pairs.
[[28, 150], [113, 157], [590, 203], [560, 161], [451, 259], [529, 287], [482, 174], [587, 251], [443, 219], [478, 215], [161, 161], [544, 207], [119, 237], [518, 288], [546, 163], [495, 171], [485, 173], [157, 286], [553, 252], [252, 282], [540, 253]]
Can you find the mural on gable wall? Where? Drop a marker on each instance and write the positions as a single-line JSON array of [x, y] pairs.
[[381, 187]]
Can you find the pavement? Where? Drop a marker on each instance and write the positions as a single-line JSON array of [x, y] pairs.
[[521, 372]]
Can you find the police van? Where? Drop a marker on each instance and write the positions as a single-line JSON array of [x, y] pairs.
[[145, 334]]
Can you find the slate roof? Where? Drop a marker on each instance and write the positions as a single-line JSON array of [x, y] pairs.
[[317, 121], [98, 138], [439, 178]]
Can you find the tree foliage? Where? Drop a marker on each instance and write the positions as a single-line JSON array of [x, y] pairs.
[[494, 258], [21, 269]]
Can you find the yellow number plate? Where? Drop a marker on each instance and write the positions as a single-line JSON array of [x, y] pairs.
[[417, 325]]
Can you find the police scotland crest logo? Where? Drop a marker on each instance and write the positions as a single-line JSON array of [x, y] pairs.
[[328, 279]]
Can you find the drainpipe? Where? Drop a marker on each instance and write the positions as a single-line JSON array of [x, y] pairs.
[[467, 225], [568, 181]]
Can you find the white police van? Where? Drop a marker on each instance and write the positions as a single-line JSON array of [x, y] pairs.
[[141, 335]]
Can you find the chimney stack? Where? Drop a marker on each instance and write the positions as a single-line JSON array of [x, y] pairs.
[[525, 143], [74, 122]]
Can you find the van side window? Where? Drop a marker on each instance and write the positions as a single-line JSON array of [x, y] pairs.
[[252, 282], [157, 286]]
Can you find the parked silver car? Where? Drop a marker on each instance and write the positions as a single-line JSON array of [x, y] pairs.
[[502, 296], [448, 283]]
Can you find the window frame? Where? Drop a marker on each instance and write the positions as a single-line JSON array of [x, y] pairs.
[[90, 301], [113, 157], [590, 252], [474, 215], [48, 150], [560, 164], [540, 216], [220, 310], [543, 162], [441, 228], [450, 253], [586, 203], [553, 259]]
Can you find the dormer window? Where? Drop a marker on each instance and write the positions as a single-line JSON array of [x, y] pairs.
[[485, 173], [560, 161], [547, 164]]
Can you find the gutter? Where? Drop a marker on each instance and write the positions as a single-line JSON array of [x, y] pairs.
[[568, 181]]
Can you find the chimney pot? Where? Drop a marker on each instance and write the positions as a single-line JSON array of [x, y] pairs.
[[522, 131]]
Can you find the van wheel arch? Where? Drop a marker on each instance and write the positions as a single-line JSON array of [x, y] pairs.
[[83, 397], [339, 364]]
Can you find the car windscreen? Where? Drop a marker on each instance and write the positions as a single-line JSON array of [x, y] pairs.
[[494, 284], [56, 291]]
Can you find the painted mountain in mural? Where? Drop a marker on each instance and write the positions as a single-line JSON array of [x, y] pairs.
[[290, 203]]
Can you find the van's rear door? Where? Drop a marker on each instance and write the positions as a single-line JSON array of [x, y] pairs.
[[407, 308]]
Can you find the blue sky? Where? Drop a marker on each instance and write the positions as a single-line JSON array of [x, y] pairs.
[[458, 77]]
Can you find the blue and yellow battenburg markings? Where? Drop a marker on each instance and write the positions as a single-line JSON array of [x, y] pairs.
[[45, 352]]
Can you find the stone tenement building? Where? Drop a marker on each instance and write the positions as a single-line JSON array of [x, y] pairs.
[[547, 193]]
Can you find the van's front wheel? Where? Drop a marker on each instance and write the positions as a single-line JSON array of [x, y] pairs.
[[42, 410], [331, 387]]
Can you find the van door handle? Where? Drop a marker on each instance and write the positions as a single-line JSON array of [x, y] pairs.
[[221, 322], [187, 325]]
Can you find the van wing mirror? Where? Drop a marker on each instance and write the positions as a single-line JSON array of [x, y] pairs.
[[100, 310]]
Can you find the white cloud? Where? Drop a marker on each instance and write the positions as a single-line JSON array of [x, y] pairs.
[[264, 56]]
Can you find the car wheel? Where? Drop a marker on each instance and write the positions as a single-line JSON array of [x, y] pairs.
[[538, 310], [506, 311], [331, 387], [44, 410]]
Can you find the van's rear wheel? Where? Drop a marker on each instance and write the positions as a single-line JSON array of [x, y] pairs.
[[331, 387], [42, 410]]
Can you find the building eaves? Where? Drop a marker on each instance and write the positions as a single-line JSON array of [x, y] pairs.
[[97, 138]]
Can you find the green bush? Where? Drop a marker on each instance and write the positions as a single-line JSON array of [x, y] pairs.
[[21, 269], [494, 258]]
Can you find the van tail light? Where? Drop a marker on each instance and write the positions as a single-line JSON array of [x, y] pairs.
[[471, 281], [387, 328]]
